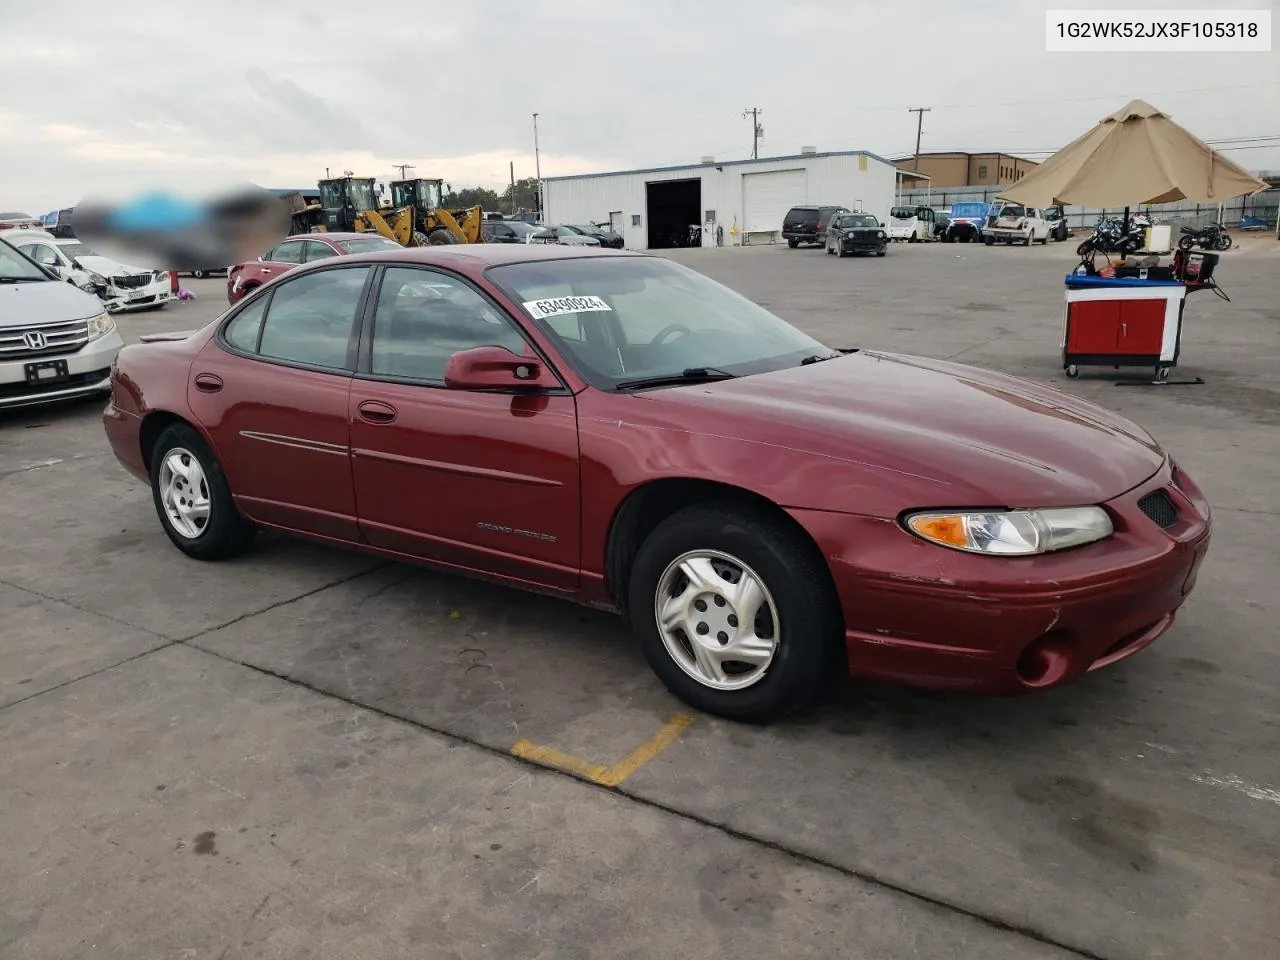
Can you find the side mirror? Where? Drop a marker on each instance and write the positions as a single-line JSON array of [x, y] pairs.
[[489, 368]]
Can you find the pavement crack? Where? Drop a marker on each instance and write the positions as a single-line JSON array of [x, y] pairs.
[[75, 606], [92, 673], [860, 875], [287, 600]]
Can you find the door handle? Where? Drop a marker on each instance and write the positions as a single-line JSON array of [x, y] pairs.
[[208, 383], [375, 411], [1124, 329]]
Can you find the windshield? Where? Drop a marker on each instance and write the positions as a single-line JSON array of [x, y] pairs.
[[971, 211], [903, 213], [362, 195], [585, 228], [77, 249], [368, 245], [521, 228], [14, 266], [427, 194], [857, 220], [632, 318]]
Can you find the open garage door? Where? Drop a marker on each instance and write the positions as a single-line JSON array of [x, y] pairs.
[[766, 198]]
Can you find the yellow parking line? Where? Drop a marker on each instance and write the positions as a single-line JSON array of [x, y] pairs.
[[598, 773]]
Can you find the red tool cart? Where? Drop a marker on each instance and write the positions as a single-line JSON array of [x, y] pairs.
[[1127, 321]]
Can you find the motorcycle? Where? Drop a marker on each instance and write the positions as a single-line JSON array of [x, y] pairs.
[[1110, 236], [1212, 236]]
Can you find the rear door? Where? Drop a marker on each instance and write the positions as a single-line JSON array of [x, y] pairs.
[[272, 391], [481, 479]]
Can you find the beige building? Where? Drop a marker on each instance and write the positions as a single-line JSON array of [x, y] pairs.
[[968, 169]]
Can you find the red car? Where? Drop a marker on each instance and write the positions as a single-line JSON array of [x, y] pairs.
[[620, 430], [244, 278]]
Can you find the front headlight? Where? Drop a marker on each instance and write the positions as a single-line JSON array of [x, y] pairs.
[[1012, 533], [101, 325]]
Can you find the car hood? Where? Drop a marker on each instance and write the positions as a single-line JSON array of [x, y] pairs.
[[24, 304], [106, 267], [957, 434]]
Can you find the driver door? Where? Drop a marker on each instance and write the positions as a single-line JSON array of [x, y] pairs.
[[485, 480]]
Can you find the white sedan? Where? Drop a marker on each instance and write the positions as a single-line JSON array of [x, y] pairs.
[[121, 287]]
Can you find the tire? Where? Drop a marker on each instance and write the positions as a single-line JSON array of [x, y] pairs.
[[441, 237], [1031, 238], [1186, 242], [1072, 371], [793, 244], [420, 239], [798, 605], [199, 274], [912, 239], [224, 532], [1223, 242], [989, 241], [882, 251]]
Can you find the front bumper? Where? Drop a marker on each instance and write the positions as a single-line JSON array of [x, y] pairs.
[[926, 616], [119, 300], [88, 374], [862, 244]]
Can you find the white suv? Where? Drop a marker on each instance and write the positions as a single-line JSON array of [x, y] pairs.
[[56, 341], [1010, 222]]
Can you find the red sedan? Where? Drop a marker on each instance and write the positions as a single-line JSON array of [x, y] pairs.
[[244, 278], [622, 431]]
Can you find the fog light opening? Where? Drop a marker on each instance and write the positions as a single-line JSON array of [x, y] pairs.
[[1045, 661]]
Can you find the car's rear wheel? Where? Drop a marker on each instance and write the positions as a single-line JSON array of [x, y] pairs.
[[793, 244], [735, 613], [193, 499]]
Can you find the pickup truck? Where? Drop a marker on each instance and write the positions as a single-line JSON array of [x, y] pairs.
[[1012, 222]]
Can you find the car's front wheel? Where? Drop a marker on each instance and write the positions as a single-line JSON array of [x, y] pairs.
[[193, 499], [735, 612]]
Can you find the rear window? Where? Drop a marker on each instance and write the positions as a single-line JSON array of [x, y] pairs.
[[1012, 212], [902, 213], [803, 214], [968, 210]]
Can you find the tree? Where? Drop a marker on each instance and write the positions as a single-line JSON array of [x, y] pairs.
[[526, 196], [468, 197]]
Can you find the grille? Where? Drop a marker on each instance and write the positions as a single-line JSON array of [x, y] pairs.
[[133, 281], [42, 340], [1159, 508]]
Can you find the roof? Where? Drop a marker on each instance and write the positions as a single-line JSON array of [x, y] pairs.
[[720, 163], [481, 255], [331, 235]]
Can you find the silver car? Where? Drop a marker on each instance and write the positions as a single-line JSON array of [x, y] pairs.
[[56, 341]]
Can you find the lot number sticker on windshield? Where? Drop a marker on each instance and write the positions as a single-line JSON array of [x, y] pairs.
[[555, 306]]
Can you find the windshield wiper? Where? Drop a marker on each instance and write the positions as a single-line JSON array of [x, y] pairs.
[[688, 375], [21, 279], [818, 358]]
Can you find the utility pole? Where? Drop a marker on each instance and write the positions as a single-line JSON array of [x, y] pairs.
[[402, 167], [513, 187], [757, 131], [919, 112], [537, 165]]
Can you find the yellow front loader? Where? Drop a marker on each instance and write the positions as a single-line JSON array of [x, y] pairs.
[[414, 220]]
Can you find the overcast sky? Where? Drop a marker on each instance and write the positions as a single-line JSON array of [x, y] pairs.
[[114, 97]]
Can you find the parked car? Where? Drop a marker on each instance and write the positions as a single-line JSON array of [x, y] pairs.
[[1056, 218], [526, 216], [577, 421], [914, 224], [563, 235], [508, 231], [1015, 223], [941, 220], [856, 233], [244, 278], [808, 224], [121, 287], [606, 236], [967, 222], [57, 342]]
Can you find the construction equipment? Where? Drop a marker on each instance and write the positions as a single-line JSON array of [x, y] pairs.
[[414, 220], [439, 225]]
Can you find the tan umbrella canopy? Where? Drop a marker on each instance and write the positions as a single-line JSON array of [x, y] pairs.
[[1135, 156]]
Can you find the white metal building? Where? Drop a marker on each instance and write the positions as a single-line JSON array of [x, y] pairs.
[[735, 202]]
